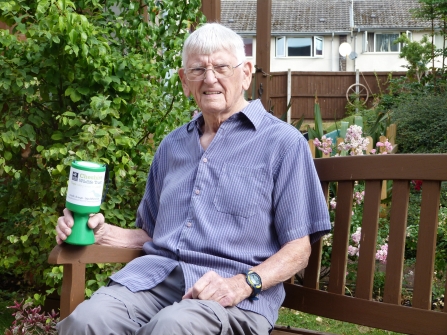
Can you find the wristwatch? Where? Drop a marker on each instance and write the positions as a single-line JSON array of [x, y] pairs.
[[255, 282]]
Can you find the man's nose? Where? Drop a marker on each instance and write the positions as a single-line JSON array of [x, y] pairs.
[[210, 75]]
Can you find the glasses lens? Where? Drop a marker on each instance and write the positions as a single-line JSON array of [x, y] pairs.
[[199, 73], [222, 71], [196, 73]]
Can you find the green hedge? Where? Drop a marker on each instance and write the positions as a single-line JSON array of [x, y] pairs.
[[85, 83], [422, 123]]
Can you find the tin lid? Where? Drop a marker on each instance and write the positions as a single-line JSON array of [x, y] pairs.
[[89, 166]]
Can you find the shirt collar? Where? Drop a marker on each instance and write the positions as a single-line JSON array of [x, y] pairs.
[[252, 112]]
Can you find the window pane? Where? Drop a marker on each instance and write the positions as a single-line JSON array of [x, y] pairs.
[[248, 43], [280, 45], [439, 41], [384, 43], [370, 45], [318, 46], [299, 46]]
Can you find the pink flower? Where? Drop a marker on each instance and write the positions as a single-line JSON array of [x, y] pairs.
[[353, 251], [333, 203], [358, 197], [387, 145], [357, 235], [325, 145], [382, 253]]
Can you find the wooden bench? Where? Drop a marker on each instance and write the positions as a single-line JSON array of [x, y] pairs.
[[333, 303]]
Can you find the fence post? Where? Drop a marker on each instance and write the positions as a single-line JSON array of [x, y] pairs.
[[391, 133], [289, 96], [312, 147], [370, 145]]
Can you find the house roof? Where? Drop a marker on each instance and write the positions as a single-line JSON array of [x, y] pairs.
[[322, 16], [387, 14]]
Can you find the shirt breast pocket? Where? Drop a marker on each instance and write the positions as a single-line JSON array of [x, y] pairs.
[[239, 190]]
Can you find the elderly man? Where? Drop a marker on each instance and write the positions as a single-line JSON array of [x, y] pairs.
[[231, 206]]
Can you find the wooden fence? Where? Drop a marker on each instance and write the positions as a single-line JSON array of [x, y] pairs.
[[330, 87]]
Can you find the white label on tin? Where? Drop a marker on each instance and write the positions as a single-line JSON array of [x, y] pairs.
[[85, 187]]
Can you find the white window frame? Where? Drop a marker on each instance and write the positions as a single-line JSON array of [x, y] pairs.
[[365, 45], [320, 39], [281, 42]]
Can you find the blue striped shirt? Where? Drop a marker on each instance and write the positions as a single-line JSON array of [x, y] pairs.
[[230, 207]]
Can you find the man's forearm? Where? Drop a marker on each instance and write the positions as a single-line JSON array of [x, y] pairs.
[[121, 237], [289, 260]]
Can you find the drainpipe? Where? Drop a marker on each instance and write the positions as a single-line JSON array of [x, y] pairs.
[[333, 57]]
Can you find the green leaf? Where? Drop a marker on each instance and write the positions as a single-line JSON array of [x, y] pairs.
[[69, 113], [75, 96], [8, 155], [83, 90], [57, 136]]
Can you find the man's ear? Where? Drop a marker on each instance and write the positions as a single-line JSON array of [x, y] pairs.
[[248, 71], [185, 86]]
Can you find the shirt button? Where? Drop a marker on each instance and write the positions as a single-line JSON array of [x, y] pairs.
[[205, 160], [197, 191], [188, 224]]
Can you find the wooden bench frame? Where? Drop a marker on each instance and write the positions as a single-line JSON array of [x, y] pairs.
[[418, 319]]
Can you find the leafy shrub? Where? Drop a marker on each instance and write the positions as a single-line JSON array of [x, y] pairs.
[[81, 80], [421, 123]]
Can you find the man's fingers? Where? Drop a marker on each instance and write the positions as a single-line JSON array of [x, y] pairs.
[[188, 295], [67, 218], [95, 220]]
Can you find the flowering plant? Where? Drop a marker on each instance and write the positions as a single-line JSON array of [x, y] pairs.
[[30, 321], [354, 143]]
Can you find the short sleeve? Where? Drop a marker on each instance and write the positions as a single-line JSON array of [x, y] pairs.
[[300, 206], [148, 209]]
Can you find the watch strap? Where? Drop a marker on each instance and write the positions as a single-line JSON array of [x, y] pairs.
[[256, 286]]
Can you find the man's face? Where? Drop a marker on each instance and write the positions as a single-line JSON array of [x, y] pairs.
[[217, 95]]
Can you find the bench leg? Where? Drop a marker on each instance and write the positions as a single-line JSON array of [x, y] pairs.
[[73, 287]]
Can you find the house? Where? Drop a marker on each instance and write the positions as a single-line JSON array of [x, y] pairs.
[[306, 34]]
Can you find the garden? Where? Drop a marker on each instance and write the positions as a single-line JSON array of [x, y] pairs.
[[81, 80]]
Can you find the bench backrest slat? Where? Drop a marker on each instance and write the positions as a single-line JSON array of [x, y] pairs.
[[342, 225], [367, 252], [426, 245], [396, 242]]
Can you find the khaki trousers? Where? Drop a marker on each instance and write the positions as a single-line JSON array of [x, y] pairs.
[[115, 310]]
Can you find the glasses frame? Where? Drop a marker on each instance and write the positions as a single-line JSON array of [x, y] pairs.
[[217, 75]]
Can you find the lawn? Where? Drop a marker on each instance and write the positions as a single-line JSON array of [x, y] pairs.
[[288, 317]]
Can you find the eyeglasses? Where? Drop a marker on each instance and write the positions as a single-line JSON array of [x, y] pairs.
[[220, 71]]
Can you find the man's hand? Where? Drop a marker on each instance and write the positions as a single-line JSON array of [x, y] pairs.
[[64, 224], [226, 291]]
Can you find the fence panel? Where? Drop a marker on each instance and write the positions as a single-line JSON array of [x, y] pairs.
[[329, 87]]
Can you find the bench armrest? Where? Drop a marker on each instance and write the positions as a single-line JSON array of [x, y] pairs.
[[74, 258]]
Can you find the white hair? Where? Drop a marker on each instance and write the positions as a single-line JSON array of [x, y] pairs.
[[212, 37]]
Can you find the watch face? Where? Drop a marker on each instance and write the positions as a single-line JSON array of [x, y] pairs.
[[255, 279]]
